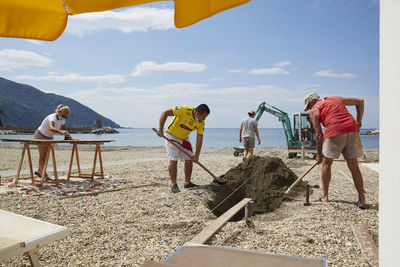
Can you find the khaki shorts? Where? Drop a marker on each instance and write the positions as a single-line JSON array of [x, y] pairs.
[[249, 142], [174, 154], [348, 144]]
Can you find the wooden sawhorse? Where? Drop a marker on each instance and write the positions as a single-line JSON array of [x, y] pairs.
[[50, 144]]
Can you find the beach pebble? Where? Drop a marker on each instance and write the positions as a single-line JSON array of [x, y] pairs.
[[131, 226]]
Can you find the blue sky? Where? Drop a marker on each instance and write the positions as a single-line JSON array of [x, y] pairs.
[[130, 64]]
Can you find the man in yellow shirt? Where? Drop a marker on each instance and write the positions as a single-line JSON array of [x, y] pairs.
[[186, 119]]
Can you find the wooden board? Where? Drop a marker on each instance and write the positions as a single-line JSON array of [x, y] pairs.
[[209, 231], [367, 244], [159, 264], [198, 255], [8, 245], [20, 234], [40, 141]]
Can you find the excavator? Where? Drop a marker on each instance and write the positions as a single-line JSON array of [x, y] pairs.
[[302, 135]]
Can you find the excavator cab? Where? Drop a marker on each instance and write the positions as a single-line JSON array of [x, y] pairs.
[[303, 129], [302, 138]]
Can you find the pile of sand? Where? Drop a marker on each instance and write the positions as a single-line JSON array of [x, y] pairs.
[[270, 178]]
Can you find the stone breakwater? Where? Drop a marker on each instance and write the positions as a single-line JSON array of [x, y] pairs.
[[374, 132]]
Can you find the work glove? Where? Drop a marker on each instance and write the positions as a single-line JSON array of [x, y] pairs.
[[65, 133]]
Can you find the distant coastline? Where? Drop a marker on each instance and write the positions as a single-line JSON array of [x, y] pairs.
[[373, 132], [28, 130]]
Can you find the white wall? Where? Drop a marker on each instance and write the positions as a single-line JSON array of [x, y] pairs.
[[389, 191]]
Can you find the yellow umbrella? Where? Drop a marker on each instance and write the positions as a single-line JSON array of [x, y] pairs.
[[47, 19]]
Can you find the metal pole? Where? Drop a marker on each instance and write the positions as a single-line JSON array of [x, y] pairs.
[[246, 212], [307, 203]]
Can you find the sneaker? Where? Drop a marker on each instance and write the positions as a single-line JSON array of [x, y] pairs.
[[190, 185], [175, 189], [38, 174]]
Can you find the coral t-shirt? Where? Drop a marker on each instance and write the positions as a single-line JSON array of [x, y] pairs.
[[335, 117]]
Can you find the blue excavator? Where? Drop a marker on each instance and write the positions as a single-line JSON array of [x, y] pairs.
[[302, 135]]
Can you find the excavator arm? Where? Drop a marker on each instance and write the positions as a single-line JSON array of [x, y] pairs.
[[282, 116]]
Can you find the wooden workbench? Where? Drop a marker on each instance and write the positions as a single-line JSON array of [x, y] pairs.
[[50, 150]]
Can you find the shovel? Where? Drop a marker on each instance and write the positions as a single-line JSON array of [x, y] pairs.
[[301, 177], [187, 154]]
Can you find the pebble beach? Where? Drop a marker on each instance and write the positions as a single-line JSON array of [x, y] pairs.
[[136, 224]]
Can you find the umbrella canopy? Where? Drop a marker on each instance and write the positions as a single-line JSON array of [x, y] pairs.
[[47, 19]]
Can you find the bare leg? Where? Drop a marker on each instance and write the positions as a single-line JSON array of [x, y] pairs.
[[42, 158], [246, 150], [326, 177], [188, 170], [172, 168], [251, 150], [357, 178]]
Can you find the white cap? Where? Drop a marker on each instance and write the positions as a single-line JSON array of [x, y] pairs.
[[308, 99]]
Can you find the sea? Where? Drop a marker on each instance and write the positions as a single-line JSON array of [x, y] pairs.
[[213, 137]]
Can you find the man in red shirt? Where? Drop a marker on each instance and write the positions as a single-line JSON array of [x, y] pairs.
[[341, 137]]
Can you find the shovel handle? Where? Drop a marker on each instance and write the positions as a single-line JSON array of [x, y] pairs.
[[301, 177], [187, 154]]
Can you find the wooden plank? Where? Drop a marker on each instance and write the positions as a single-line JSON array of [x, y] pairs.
[[152, 263], [7, 244], [197, 255], [31, 232], [54, 165], [77, 159], [37, 141], [211, 229], [33, 258], [94, 161], [20, 164], [71, 161], [366, 243], [30, 162], [101, 163]]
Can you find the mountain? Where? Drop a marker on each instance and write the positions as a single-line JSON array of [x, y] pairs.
[[24, 105]]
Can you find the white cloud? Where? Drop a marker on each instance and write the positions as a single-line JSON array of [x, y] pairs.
[[217, 79], [168, 93], [313, 85], [20, 59], [150, 66], [269, 71], [35, 42], [282, 64], [139, 19], [73, 77], [331, 73], [151, 101], [236, 70]]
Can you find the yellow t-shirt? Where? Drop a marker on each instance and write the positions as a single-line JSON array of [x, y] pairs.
[[184, 123]]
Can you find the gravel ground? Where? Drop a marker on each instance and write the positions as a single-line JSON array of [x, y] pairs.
[[128, 227]]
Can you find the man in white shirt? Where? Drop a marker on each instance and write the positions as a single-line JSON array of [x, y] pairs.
[[248, 130]]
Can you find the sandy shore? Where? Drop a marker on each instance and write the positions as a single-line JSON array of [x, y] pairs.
[[128, 227]]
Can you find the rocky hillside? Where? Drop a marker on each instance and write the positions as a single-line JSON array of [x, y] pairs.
[[24, 105]]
